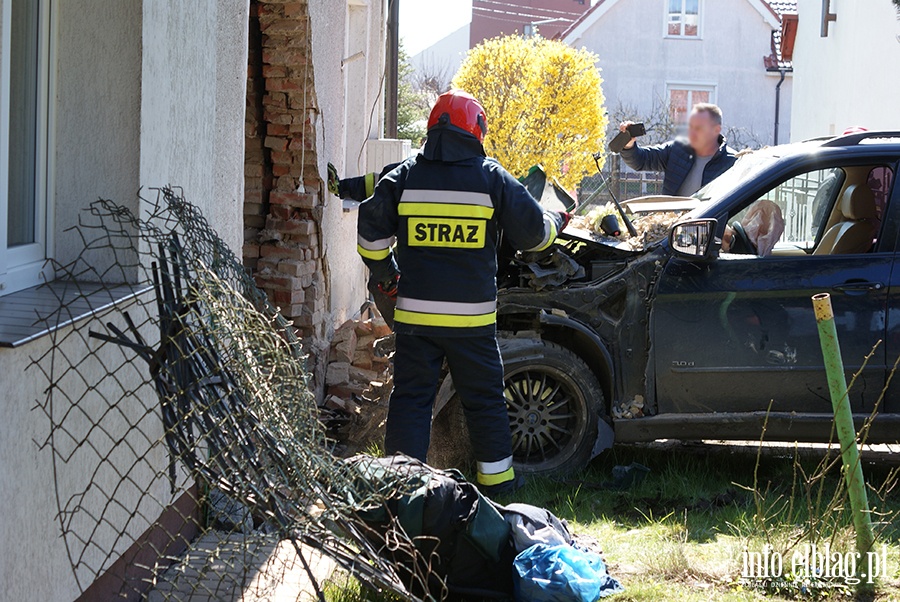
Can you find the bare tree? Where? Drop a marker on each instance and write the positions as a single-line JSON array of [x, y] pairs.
[[433, 76], [661, 127], [658, 120]]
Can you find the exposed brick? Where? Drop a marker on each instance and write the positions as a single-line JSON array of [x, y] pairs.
[[295, 9], [283, 27], [253, 208], [289, 311], [278, 251], [360, 375], [275, 100], [276, 143], [304, 227], [278, 129], [282, 211], [296, 268], [274, 71], [255, 221], [345, 351], [291, 297], [250, 251], [283, 157]]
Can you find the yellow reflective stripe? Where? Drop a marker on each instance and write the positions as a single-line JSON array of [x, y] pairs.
[[496, 479], [376, 255], [445, 210], [370, 184], [549, 234], [447, 320]]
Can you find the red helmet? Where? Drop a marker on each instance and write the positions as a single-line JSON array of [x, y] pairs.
[[461, 110]]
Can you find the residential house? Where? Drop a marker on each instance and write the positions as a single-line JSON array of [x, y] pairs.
[[491, 18], [103, 98], [846, 53], [667, 55]]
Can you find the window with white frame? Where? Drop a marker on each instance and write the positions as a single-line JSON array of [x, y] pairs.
[[24, 94], [683, 18], [683, 97]]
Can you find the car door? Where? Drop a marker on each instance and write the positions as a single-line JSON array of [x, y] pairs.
[[738, 333]]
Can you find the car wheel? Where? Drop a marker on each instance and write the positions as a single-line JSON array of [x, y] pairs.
[[554, 402]]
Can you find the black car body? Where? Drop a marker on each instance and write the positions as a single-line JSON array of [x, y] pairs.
[[636, 346]]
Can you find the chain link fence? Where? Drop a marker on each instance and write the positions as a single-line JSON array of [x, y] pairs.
[[189, 460]]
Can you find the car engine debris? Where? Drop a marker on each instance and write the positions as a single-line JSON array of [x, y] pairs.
[[650, 227]]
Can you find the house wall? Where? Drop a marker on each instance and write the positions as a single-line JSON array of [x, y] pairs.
[[314, 97], [146, 94], [637, 61], [848, 78]]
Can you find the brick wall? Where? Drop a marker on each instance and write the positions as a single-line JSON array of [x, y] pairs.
[[282, 206]]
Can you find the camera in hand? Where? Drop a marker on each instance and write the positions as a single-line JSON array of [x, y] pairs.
[[632, 131]]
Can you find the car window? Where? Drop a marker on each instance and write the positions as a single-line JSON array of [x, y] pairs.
[[804, 203], [833, 211]]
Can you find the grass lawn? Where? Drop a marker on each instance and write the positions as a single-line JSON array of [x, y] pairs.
[[682, 533]]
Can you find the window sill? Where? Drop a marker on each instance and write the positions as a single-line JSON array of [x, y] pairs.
[[351, 206], [35, 312], [695, 38]]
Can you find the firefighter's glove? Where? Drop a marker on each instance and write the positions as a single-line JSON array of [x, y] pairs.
[[566, 218], [334, 182], [389, 287]]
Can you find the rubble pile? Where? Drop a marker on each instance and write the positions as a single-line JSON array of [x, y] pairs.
[[358, 383], [650, 226]]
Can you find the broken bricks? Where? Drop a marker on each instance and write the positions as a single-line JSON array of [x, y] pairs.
[[359, 383]]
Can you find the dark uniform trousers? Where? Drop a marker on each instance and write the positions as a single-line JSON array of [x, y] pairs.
[[477, 372]]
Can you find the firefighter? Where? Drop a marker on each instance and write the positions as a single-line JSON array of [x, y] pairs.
[[444, 209]]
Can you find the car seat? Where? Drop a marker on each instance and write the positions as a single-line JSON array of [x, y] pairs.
[[855, 232]]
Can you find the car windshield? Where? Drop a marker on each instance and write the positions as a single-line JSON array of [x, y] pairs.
[[745, 167]]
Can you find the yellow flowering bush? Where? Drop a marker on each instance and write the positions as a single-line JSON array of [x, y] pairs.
[[543, 101]]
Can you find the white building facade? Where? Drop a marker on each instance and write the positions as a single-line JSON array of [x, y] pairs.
[[846, 60], [667, 55]]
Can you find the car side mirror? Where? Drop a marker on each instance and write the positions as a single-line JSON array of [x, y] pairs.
[[693, 239]]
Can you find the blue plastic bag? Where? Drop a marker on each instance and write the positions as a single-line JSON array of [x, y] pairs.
[[561, 573]]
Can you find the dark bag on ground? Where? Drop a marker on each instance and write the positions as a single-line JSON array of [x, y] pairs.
[[462, 538]]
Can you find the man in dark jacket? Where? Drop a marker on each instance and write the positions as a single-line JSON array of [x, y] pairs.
[[444, 210], [688, 164]]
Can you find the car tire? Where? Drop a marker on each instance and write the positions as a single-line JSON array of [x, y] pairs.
[[559, 436], [543, 363]]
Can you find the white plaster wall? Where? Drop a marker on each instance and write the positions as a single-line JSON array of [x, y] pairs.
[[350, 111], [147, 93], [36, 564], [637, 60], [850, 77], [97, 111], [192, 109]]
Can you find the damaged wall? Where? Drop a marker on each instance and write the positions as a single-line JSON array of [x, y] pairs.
[[309, 102]]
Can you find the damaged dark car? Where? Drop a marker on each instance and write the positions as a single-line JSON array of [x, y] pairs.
[[703, 332]]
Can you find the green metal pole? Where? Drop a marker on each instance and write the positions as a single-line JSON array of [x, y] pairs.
[[843, 422]]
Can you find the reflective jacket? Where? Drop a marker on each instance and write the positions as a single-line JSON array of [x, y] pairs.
[[445, 219], [360, 188]]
